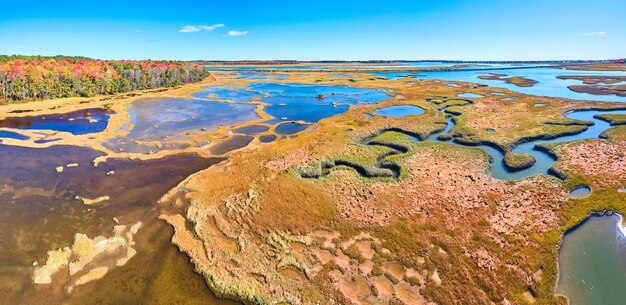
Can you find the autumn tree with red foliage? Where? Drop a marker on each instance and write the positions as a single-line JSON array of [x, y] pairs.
[[23, 78]]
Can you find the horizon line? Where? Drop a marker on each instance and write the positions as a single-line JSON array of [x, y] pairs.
[[338, 60]]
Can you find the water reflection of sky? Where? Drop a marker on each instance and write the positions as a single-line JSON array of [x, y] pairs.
[[548, 84], [592, 262]]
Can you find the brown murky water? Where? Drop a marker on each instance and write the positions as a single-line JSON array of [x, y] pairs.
[[39, 212], [234, 143]]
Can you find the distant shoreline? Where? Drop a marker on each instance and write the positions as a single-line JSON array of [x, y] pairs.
[[299, 62]]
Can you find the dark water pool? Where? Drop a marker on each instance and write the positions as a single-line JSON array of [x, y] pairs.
[[78, 122], [39, 212], [267, 139], [252, 129], [290, 128], [235, 142]]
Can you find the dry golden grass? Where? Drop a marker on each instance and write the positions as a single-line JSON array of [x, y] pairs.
[[471, 238]]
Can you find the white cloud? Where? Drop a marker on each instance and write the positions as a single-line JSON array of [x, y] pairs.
[[200, 28], [598, 34], [189, 29], [236, 33]]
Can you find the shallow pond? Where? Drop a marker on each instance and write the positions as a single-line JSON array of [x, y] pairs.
[[580, 191], [234, 143], [399, 111], [592, 262], [290, 128], [252, 129], [77, 122], [298, 102], [469, 95], [311, 103], [267, 138], [225, 93], [170, 119]]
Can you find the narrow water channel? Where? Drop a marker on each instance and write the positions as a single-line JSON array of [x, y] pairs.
[[544, 161]]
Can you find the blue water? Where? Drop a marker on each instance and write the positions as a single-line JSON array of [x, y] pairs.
[[175, 115], [543, 160], [300, 102], [12, 135], [164, 119], [78, 122], [592, 262], [580, 191], [548, 84], [398, 75], [469, 95], [224, 93], [399, 111], [450, 124]]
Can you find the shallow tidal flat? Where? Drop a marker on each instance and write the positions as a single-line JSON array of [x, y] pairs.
[[60, 203], [335, 189], [42, 210], [168, 123]]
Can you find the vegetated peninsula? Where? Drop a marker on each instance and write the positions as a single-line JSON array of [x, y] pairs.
[[514, 80], [38, 77]]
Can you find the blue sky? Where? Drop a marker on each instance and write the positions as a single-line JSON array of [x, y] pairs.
[[317, 30]]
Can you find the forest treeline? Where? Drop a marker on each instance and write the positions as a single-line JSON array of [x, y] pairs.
[[36, 77]]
